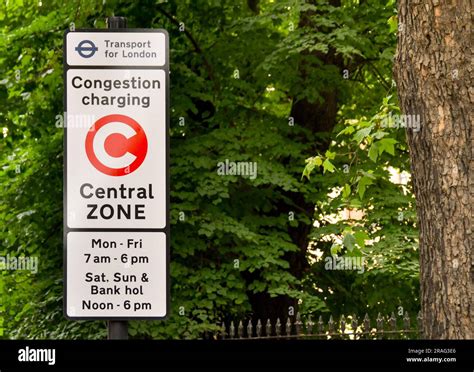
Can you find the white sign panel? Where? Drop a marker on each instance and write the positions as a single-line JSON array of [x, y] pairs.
[[116, 171], [119, 273], [114, 48], [116, 167]]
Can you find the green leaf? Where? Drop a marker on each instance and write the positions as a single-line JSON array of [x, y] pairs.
[[330, 155], [328, 166], [346, 191], [349, 242], [387, 145], [361, 237], [335, 249], [373, 152], [379, 135], [362, 133], [347, 130], [363, 183], [317, 161], [311, 163], [393, 24]]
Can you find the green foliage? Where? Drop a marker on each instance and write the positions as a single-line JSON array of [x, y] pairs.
[[234, 77], [384, 223]]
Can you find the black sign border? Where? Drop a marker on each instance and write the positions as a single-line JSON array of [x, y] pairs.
[[166, 229]]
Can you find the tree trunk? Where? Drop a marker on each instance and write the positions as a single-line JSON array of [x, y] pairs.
[[434, 74]]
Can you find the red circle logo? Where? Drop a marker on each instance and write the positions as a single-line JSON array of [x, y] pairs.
[[116, 145]]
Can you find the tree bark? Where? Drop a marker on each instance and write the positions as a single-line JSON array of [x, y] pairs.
[[434, 75]]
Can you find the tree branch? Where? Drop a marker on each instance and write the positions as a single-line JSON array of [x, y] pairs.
[[193, 41]]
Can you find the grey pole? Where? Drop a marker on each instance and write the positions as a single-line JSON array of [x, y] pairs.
[[117, 330], [117, 22]]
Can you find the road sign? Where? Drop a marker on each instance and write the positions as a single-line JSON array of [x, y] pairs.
[[116, 188], [118, 273]]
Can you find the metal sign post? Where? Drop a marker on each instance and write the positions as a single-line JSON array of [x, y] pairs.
[[116, 329], [116, 175]]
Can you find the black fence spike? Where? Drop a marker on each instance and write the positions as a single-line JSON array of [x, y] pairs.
[[249, 329], [406, 321], [354, 325], [380, 325], [393, 322], [331, 324], [240, 330], [268, 328], [288, 327], [419, 320], [367, 325], [309, 325], [259, 328], [343, 323], [351, 327], [320, 325], [223, 331], [298, 324], [278, 327]]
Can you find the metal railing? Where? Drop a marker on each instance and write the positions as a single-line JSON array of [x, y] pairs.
[[388, 327]]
